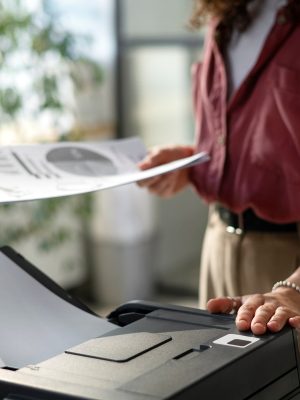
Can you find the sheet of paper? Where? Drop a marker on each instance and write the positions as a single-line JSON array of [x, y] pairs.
[[36, 324], [30, 172]]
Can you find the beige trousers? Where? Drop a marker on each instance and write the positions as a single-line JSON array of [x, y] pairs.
[[233, 264]]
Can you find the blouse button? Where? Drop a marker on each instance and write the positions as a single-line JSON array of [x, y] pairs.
[[221, 140], [281, 20]]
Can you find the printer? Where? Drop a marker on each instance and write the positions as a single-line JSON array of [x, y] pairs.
[[163, 352]]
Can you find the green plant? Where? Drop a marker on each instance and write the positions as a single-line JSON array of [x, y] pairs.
[[36, 49], [38, 61], [22, 220]]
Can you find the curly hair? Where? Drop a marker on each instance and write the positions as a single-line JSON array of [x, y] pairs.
[[232, 13]]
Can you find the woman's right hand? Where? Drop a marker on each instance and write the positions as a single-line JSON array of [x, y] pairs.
[[261, 312], [168, 184]]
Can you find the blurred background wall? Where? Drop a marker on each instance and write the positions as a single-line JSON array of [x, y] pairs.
[[97, 70]]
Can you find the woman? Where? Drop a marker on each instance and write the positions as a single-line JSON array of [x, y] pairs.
[[247, 110]]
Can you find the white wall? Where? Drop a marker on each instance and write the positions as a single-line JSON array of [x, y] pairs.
[[181, 225], [140, 240]]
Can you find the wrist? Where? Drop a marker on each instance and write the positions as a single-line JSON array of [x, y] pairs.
[[286, 285]]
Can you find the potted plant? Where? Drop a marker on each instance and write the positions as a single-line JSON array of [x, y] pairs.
[[41, 67]]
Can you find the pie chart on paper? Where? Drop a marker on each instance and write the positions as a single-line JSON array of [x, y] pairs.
[[80, 161]]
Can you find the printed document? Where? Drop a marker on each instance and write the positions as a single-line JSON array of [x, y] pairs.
[[30, 172]]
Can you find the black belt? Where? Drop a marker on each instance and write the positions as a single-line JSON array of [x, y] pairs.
[[248, 221]]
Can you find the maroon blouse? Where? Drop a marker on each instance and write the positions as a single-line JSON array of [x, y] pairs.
[[253, 139]]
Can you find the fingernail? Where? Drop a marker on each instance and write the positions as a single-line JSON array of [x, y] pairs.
[[242, 324], [261, 327]]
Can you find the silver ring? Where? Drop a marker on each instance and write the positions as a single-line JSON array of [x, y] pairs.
[[234, 303]]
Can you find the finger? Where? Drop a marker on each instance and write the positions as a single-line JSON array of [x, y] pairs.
[[163, 187], [146, 164], [279, 319], [158, 181], [223, 304], [155, 158], [247, 311], [295, 322], [262, 317], [163, 155], [149, 182]]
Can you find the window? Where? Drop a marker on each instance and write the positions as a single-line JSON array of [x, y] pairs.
[[156, 51]]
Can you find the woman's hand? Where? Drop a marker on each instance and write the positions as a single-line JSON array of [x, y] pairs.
[[166, 185], [261, 312]]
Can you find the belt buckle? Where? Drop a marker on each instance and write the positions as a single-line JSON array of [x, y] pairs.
[[240, 229], [233, 230]]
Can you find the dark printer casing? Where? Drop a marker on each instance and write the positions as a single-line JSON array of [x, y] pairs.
[[165, 352]]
